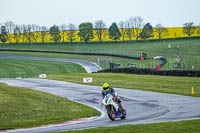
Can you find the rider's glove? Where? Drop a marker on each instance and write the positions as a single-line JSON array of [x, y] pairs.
[[115, 97]]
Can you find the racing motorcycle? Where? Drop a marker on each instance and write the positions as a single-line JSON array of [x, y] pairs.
[[113, 108]]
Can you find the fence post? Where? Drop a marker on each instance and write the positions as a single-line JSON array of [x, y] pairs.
[[189, 66], [164, 67], [196, 66], [168, 66]]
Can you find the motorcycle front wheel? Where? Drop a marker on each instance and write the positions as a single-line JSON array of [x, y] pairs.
[[111, 112]]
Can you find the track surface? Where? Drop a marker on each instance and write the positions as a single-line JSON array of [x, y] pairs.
[[142, 107], [89, 67]]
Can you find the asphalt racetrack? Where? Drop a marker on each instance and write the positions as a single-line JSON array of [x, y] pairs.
[[141, 106]]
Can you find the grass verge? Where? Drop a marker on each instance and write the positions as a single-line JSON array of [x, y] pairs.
[[149, 46], [152, 48], [164, 84], [22, 107], [191, 126], [90, 58], [12, 68]]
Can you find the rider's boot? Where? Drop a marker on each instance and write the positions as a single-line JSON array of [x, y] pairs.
[[121, 109]]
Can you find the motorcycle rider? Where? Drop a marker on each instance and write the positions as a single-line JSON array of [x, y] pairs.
[[108, 90]]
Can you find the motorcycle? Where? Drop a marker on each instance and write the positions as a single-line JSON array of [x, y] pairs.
[[113, 108]]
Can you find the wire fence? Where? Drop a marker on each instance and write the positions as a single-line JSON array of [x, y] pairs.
[[114, 51], [105, 64], [182, 66]]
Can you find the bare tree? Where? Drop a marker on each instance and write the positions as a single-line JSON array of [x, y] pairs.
[[1, 24], [10, 29], [122, 26], [100, 29], [29, 33], [198, 29], [128, 30], [71, 32], [24, 31], [44, 33], [136, 25], [175, 34], [161, 31], [36, 32], [17, 33], [63, 29]]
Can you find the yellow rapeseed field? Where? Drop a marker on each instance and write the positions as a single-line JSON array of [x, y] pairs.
[[173, 32]]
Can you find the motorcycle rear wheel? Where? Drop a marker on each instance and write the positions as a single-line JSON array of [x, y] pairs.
[[123, 115]]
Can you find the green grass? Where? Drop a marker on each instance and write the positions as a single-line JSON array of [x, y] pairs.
[[168, 127], [189, 50], [90, 58], [164, 84], [22, 107], [187, 46], [12, 68]]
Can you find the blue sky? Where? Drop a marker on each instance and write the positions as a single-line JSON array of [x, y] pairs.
[[170, 13]]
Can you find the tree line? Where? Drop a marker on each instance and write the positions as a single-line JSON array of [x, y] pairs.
[[133, 28]]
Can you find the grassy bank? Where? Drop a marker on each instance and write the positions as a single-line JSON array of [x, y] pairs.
[[12, 68], [188, 50], [22, 107], [90, 58], [187, 46], [164, 84], [12, 112], [168, 127]]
